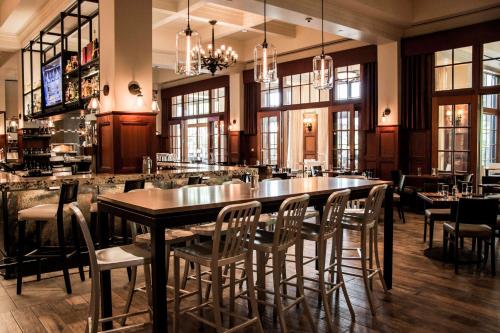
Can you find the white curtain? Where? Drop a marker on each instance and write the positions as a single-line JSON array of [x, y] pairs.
[[294, 139]]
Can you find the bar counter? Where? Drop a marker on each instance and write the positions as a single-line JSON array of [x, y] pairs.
[[20, 192]]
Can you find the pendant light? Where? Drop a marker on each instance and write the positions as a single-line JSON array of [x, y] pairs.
[[264, 59], [188, 60], [322, 65]]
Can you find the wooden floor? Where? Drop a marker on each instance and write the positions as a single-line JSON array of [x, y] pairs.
[[427, 297]]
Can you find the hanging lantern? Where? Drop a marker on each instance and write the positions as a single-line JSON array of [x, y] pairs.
[[322, 65], [188, 59], [265, 59]]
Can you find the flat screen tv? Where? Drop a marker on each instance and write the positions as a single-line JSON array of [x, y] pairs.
[[52, 82]]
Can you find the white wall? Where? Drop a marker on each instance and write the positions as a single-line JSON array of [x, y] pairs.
[[388, 72]]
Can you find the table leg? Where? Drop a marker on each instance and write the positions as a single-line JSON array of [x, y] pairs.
[[159, 279], [107, 306], [388, 236]]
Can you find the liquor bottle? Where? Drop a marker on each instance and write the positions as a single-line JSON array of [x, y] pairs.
[[69, 67], [95, 46]]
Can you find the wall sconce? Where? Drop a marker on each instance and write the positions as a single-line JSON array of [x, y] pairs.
[[385, 114], [308, 123], [94, 103], [155, 106], [135, 89], [230, 127]]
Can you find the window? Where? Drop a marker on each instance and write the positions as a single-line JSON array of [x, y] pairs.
[[346, 139], [218, 142], [270, 94], [490, 101], [491, 64], [347, 82], [453, 138], [196, 103], [298, 89], [197, 139], [218, 100], [488, 139], [175, 141], [453, 69], [269, 130], [177, 106]]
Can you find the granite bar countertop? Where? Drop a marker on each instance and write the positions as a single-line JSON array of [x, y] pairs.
[[15, 182]]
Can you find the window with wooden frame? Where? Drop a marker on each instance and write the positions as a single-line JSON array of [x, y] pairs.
[[176, 106], [298, 89], [175, 141], [345, 137], [453, 69], [197, 139], [196, 103], [270, 94], [491, 64], [269, 137], [218, 100], [218, 141], [348, 82], [489, 123]]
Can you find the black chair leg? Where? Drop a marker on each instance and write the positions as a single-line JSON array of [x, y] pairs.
[[20, 255], [425, 229], [479, 252], [445, 245], [431, 231], [493, 259], [62, 253], [455, 254], [76, 240], [38, 233]]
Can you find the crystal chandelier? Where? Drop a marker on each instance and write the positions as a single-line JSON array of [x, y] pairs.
[[322, 65], [264, 59], [217, 59], [188, 61]]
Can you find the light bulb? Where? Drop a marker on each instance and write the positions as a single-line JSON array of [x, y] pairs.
[[322, 80], [264, 63], [140, 101], [188, 55]]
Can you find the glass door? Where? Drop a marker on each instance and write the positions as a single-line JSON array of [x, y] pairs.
[[344, 137], [488, 144], [269, 137]]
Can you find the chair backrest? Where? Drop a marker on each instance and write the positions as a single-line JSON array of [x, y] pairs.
[[193, 180], [477, 211], [233, 181], [245, 177], [86, 236], [136, 184], [288, 226], [334, 212], [396, 176], [373, 203], [241, 220], [69, 194], [431, 187], [401, 183], [316, 170]]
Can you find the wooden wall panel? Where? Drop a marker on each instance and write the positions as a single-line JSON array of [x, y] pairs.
[[234, 146], [311, 137], [388, 147], [105, 155], [248, 149], [417, 152]]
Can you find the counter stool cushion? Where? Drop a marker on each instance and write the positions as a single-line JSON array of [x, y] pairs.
[[469, 230], [438, 213], [46, 212], [93, 207], [355, 223], [122, 256], [171, 235]]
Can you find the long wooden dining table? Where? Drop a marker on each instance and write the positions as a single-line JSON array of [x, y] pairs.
[[162, 209]]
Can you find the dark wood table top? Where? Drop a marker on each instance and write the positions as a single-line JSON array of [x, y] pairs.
[[154, 202], [437, 198]]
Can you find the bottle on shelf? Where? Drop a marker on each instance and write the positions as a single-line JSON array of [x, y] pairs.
[[95, 46]]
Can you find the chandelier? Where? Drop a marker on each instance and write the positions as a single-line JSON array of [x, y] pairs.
[[217, 59], [322, 65]]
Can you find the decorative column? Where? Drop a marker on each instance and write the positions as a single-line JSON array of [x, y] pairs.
[[125, 124]]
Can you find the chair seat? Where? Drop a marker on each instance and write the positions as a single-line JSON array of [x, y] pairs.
[[171, 235], [198, 252], [267, 219], [310, 231], [207, 229], [355, 223], [438, 213], [354, 212], [93, 207], [469, 230], [122, 256], [396, 197], [46, 212], [263, 239]]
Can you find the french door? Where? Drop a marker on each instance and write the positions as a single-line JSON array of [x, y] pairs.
[[269, 137], [344, 137]]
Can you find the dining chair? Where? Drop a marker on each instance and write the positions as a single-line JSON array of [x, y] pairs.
[[287, 233], [50, 213], [193, 180], [366, 223], [398, 197], [118, 257], [476, 218], [225, 249], [329, 229]]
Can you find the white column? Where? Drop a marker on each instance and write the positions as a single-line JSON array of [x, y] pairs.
[[236, 101], [388, 73]]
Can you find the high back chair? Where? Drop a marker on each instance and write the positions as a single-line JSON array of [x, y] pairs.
[[193, 180], [50, 213], [476, 218], [367, 225], [287, 233], [329, 229], [125, 256], [235, 246]]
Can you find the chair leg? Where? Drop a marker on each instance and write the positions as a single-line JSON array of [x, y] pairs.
[[340, 275], [493, 253], [365, 271], [62, 252], [431, 231], [216, 299], [149, 289], [232, 292], [299, 267], [177, 294], [130, 295], [370, 254], [261, 277], [377, 259], [251, 292], [425, 228], [20, 254], [479, 252], [38, 245], [402, 212], [198, 283], [278, 310], [323, 286], [93, 318], [76, 240], [167, 260], [455, 254]]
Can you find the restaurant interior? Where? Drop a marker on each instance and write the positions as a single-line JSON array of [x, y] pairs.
[[249, 165]]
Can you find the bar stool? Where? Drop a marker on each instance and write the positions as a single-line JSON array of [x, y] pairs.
[[330, 228], [236, 246], [125, 256], [287, 234], [50, 213], [367, 224]]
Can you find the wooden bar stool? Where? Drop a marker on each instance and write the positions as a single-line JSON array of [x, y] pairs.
[[287, 234], [234, 247], [50, 213], [125, 256], [367, 224]]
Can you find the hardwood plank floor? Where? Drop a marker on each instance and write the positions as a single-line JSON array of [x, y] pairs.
[[427, 296]]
